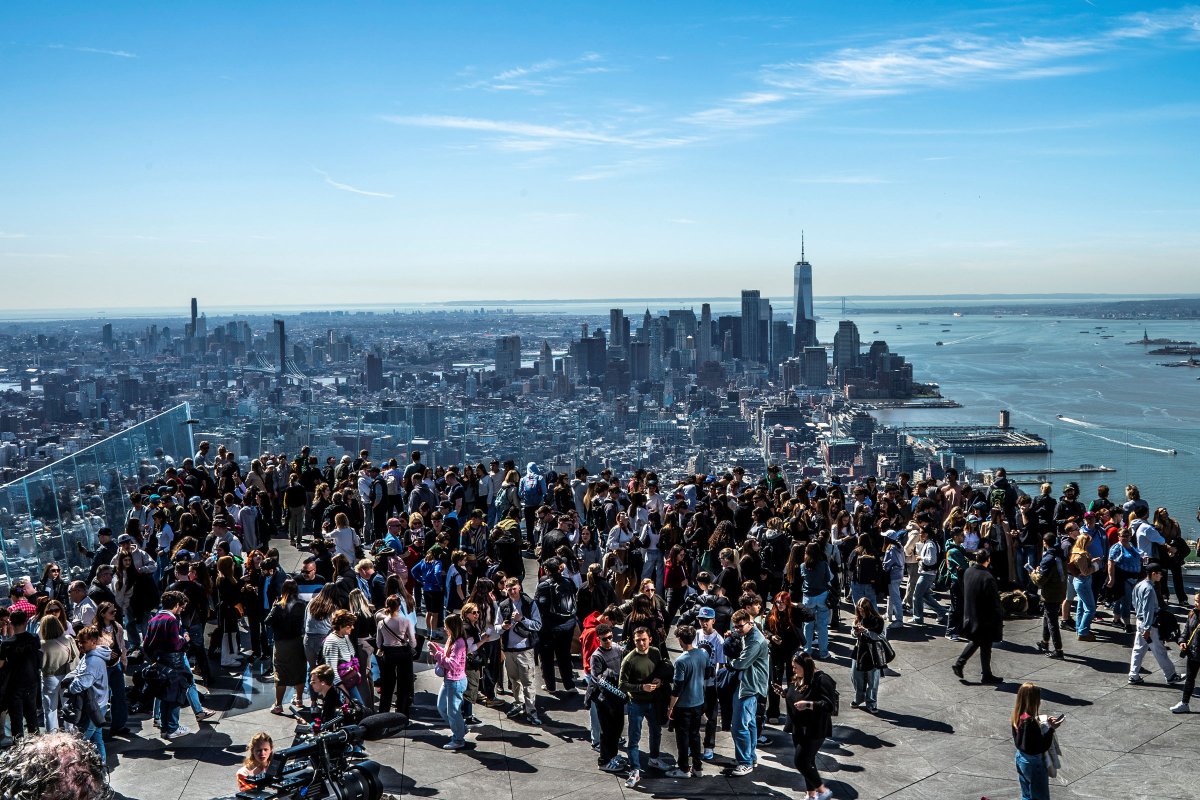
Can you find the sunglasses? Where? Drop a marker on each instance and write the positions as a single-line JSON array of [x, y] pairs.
[[608, 638]]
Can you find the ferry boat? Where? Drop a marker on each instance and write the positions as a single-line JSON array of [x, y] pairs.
[[939, 344]]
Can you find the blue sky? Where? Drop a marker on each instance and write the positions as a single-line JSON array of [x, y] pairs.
[[315, 153]]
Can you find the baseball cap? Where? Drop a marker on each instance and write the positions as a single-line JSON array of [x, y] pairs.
[[125, 538], [706, 613]]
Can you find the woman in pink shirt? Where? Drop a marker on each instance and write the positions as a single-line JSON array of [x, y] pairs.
[[452, 663]]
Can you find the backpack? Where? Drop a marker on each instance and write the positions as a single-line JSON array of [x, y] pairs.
[[948, 572], [393, 483], [866, 569], [996, 497], [1167, 624]]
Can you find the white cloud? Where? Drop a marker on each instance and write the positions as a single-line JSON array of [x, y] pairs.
[[345, 187], [98, 50], [541, 76], [525, 136], [914, 64]]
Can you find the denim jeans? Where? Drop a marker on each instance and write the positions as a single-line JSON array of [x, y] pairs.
[[652, 567], [449, 706], [1085, 612], [866, 685], [924, 596], [170, 717], [745, 729], [637, 713], [895, 609], [51, 700], [860, 590], [1124, 603], [820, 625], [1027, 555], [94, 734], [1031, 772]]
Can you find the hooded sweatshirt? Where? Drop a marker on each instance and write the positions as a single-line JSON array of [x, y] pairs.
[[92, 673], [533, 485]]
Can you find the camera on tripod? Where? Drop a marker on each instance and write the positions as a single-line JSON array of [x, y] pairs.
[[319, 769]]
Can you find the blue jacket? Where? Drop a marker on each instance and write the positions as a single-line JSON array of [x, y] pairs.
[[429, 573]]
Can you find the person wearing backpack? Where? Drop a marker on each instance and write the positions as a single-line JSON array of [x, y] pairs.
[[1189, 646], [982, 616], [555, 598], [927, 566], [864, 568], [949, 577], [533, 493], [1051, 580], [1146, 610], [812, 702]]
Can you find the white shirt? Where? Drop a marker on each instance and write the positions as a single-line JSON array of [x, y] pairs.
[[344, 541], [1147, 537]]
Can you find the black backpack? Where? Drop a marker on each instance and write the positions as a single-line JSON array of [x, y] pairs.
[[866, 569], [1167, 624]]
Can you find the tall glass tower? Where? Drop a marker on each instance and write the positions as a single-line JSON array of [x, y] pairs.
[[804, 324]]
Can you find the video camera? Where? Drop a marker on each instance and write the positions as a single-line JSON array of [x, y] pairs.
[[319, 769]]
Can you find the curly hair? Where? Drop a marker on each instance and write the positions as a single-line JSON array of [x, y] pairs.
[[53, 766]]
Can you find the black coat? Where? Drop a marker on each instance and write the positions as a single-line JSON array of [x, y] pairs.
[[983, 616]]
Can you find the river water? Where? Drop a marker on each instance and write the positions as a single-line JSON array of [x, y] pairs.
[[1123, 410]]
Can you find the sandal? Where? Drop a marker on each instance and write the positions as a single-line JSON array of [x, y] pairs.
[[277, 710]]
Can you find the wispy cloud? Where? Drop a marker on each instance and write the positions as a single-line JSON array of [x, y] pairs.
[[541, 76], [345, 187], [8, 235], [951, 59], [527, 136], [97, 50], [943, 60]]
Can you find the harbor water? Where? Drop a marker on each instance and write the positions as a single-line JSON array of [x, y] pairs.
[[1095, 400]]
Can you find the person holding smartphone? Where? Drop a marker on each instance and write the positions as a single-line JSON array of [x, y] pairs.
[[1033, 737], [810, 696]]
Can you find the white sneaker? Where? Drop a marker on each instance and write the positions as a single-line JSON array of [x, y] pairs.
[[679, 773], [825, 795], [1181, 708], [658, 763], [741, 769], [635, 777], [707, 755], [453, 745], [178, 733]]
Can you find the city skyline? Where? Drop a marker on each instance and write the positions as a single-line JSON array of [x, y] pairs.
[[445, 154]]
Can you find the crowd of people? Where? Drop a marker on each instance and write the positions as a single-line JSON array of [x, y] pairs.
[[704, 606]]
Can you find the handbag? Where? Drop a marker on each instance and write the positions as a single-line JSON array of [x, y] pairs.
[[348, 671]]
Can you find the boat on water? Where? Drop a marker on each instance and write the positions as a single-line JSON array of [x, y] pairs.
[[939, 344], [874, 331]]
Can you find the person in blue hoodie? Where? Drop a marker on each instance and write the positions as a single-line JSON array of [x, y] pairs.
[[533, 493], [91, 675], [430, 574]]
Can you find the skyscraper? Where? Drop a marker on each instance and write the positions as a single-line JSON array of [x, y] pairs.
[[508, 356], [847, 346], [617, 327], [750, 340], [374, 372], [704, 336], [804, 325]]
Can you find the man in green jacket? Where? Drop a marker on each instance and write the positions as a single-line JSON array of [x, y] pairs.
[[753, 670], [639, 681]]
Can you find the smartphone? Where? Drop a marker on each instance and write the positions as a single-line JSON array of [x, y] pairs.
[[1029, 567]]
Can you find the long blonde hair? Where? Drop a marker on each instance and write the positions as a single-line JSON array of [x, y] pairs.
[[255, 741], [1082, 541], [1029, 700]]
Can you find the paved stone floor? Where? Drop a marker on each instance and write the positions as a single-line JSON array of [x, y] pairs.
[[934, 737]]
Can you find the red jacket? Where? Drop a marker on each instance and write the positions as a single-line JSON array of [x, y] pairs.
[[588, 643]]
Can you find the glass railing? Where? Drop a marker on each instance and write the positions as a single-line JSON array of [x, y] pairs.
[[46, 515]]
